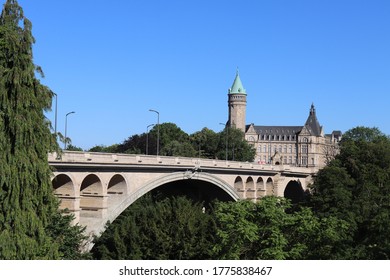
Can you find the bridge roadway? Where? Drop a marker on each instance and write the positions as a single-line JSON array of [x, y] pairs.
[[97, 187]]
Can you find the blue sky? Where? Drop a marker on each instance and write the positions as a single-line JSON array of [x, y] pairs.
[[112, 61]]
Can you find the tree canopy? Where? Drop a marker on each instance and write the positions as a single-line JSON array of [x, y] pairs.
[[178, 228], [356, 187], [269, 229], [175, 142], [28, 208], [158, 228]]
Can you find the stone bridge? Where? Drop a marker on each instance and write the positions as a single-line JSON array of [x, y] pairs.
[[98, 187]]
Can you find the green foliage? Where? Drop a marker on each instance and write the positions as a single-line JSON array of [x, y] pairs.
[[169, 132], [26, 198], [158, 228], [176, 228], [332, 193], [204, 144], [312, 238], [237, 147], [172, 141], [175, 148], [267, 230], [104, 149], [356, 188], [136, 144], [70, 147], [28, 207], [361, 133], [237, 230], [71, 239]]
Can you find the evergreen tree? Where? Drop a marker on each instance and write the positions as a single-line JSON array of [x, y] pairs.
[[158, 227], [28, 207]]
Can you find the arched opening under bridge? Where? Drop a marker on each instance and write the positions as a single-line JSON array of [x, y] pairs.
[[197, 190], [294, 191]]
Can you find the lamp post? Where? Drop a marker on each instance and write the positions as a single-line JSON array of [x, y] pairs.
[[227, 134], [55, 116], [66, 127], [147, 137], [158, 129]]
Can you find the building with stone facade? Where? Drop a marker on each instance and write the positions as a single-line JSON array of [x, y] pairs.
[[301, 145]]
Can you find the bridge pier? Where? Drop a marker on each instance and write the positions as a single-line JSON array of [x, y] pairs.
[[93, 206]]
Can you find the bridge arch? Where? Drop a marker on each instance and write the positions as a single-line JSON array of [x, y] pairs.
[[260, 187], [178, 176], [117, 185], [294, 191], [250, 188], [239, 186], [91, 194], [65, 189], [63, 186], [269, 187], [91, 185], [117, 189]]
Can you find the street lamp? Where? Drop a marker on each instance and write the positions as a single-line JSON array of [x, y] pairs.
[[227, 134], [158, 129], [147, 137], [55, 116], [66, 127]]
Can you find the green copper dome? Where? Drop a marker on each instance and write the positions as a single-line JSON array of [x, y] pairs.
[[237, 87]]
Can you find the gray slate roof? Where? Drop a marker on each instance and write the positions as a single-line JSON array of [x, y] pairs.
[[312, 123], [277, 130]]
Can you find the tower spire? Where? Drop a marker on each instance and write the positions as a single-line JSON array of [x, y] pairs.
[[312, 109], [237, 104], [312, 122], [237, 86]]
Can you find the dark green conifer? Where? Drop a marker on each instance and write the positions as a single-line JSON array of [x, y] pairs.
[[27, 202]]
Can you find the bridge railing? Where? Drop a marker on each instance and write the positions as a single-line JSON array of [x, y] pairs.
[[77, 157]]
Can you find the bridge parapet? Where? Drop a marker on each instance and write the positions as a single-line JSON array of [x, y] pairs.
[[151, 160]]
